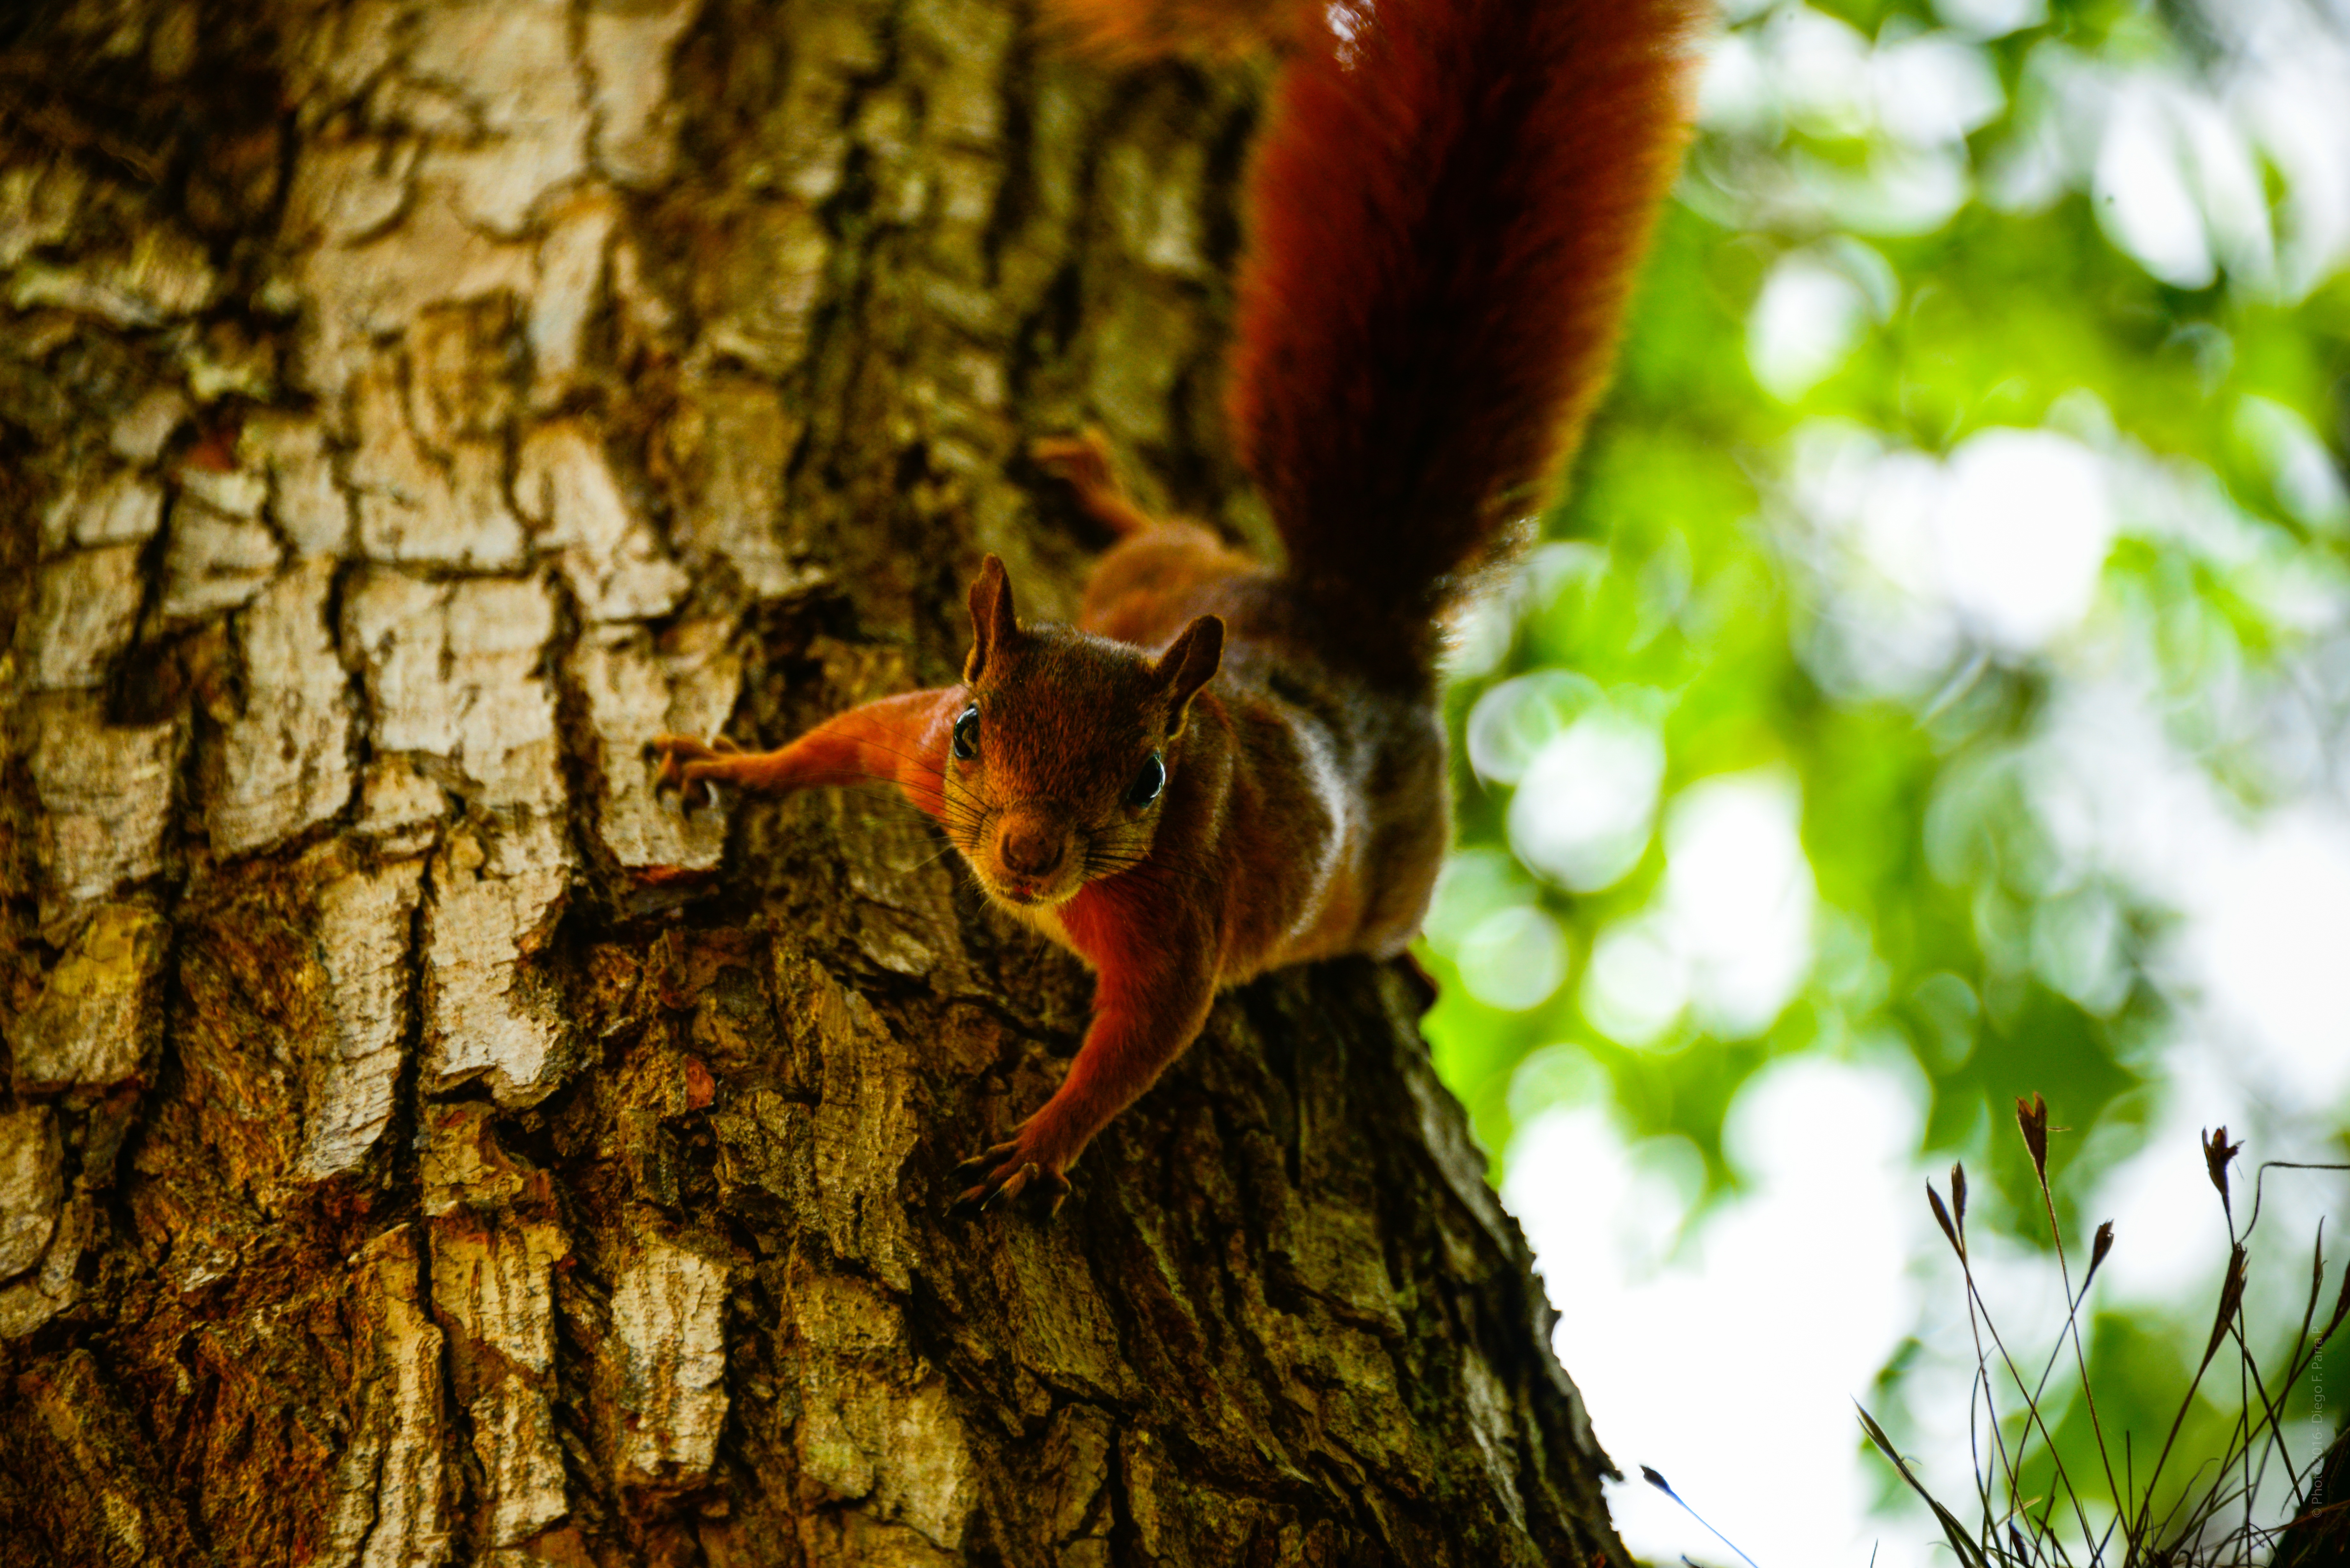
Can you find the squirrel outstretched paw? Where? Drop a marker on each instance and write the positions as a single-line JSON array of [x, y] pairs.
[[689, 767], [1005, 1171]]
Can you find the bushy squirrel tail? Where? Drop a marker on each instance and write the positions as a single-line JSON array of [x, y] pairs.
[[1446, 211]]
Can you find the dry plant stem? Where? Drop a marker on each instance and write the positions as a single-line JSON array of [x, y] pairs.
[[1977, 1397], [2040, 1388], [2033, 1417], [2232, 1291], [2186, 1403], [2072, 1322], [1659, 1482], [1975, 1324], [2271, 1420], [1966, 1550], [2260, 1178], [2238, 1474], [2248, 1373], [2306, 1350], [2272, 1408], [2011, 1465], [2247, 1381]]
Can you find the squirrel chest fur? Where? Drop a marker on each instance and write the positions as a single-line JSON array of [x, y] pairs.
[[1226, 766]]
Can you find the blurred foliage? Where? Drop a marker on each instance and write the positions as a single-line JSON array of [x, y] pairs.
[[1920, 189]]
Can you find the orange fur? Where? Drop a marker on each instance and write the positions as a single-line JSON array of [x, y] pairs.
[[1445, 216], [896, 740]]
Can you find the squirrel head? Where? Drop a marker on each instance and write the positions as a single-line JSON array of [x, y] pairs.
[[1060, 764]]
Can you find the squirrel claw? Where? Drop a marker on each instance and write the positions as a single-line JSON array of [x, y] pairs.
[[1010, 1176], [683, 769], [993, 1154]]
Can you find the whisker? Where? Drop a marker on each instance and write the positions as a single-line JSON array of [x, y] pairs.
[[927, 861], [1158, 870]]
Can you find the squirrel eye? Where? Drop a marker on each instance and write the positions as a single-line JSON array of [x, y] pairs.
[[966, 734], [1148, 783]]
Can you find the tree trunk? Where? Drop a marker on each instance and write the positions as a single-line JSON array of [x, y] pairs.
[[411, 407]]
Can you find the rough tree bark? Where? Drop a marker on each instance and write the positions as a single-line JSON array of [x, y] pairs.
[[409, 407]]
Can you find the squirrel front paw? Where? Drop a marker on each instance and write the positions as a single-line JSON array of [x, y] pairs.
[[691, 767], [1083, 460], [1012, 1167]]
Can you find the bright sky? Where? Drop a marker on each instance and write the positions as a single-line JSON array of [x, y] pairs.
[[1730, 1366]]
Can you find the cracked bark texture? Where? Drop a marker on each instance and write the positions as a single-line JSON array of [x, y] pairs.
[[407, 407]]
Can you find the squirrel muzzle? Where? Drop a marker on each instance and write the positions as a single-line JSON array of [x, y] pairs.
[[1031, 857]]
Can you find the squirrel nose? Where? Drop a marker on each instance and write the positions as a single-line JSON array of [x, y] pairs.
[[1030, 847]]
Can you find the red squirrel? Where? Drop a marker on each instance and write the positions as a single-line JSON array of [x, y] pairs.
[[1226, 766]]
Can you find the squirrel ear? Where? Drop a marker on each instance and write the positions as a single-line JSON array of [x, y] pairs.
[[1189, 662], [993, 627]]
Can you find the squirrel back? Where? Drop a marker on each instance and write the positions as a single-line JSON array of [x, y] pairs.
[[1435, 279]]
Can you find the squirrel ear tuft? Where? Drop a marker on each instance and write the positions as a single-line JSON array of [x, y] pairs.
[[995, 629], [1189, 662]]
